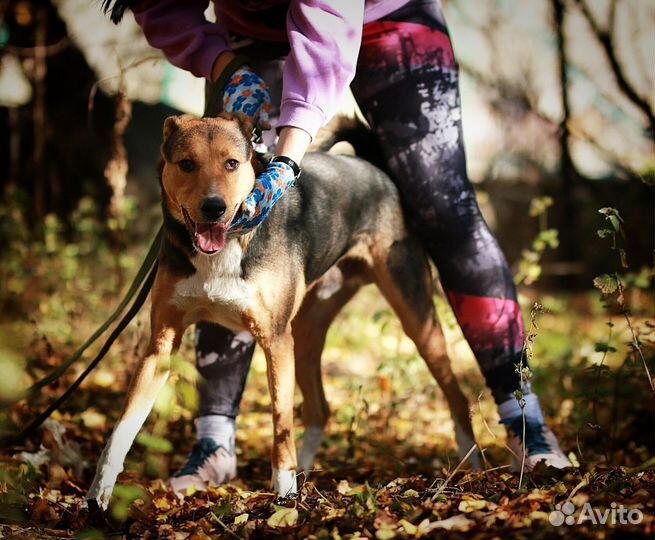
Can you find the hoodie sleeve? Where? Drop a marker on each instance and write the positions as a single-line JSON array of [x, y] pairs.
[[325, 38], [181, 31]]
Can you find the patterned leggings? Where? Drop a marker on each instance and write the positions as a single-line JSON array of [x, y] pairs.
[[407, 87]]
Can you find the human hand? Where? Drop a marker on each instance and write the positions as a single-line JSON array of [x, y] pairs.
[[245, 92], [269, 188]]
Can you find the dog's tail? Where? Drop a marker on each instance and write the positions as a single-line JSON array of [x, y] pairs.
[[356, 133]]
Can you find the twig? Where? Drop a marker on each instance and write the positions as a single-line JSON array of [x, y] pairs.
[[443, 486], [45, 50], [586, 479], [486, 425], [635, 344], [482, 473], [322, 496], [220, 522], [94, 89], [524, 374]]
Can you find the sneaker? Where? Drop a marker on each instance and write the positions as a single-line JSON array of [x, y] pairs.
[[208, 464], [541, 444]]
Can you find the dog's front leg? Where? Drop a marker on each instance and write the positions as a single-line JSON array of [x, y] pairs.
[[149, 377], [281, 382]]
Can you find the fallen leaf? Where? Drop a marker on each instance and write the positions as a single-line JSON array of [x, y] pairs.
[[471, 505], [385, 533], [91, 419], [241, 519], [284, 517], [456, 523], [407, 526], [35, 458], [162, 503], [574, 460], [345, 489]]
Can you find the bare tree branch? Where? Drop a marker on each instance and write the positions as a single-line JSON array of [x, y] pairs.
[[605, 38]]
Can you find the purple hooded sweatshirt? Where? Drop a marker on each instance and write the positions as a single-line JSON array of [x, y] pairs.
[[324, 35]]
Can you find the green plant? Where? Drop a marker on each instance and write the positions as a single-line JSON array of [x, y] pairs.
[[525, 374], [613, 286], [530, 269]]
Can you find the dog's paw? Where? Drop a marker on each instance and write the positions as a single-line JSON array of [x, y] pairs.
[[284, 483], [98, 515], [311, 443], [97, 498]]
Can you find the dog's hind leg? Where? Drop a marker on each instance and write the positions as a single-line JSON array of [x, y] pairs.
[[149, 377], [320, 306], [403, 276]]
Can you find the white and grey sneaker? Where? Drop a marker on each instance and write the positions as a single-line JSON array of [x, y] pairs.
[[540, 444], [208, 464]]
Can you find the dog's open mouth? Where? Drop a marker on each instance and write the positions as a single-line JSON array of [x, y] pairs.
[[208, 238]]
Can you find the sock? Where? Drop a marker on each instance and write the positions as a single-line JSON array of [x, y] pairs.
[[511, 409], [219, 428]]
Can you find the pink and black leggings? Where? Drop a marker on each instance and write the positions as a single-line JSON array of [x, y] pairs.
[[407, 87]]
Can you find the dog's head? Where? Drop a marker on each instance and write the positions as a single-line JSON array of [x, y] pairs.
[[207, 173]]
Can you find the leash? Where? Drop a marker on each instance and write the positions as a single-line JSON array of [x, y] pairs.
[[141, 284], [150, 259]]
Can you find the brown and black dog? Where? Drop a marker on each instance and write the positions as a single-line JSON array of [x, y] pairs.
[[342, 223]]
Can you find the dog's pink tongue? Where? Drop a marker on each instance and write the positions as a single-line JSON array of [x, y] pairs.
[[211, 236]]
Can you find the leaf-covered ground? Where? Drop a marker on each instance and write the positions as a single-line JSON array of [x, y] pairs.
[[385, 470]]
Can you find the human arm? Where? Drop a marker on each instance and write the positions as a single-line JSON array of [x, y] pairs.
[[325, 38], [180, 30]]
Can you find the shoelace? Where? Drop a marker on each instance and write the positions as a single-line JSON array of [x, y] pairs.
[[534, 435], [199, 454]]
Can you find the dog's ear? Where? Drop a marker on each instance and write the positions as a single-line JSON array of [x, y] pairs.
[[244, 122], [171, 124]]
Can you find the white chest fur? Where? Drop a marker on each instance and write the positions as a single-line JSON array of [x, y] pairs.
[[217, 288]]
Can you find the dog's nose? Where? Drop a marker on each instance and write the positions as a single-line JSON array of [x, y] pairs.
[[212, 208]]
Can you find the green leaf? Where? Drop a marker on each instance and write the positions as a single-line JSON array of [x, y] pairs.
[[615, 223], [550, 237], [124, 496], [604, 233], [154, 443], [601, 346], [165, 400], [606, 283], [539, 205]]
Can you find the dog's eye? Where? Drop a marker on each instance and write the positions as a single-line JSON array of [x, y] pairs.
[[232, 164], [187, 165]]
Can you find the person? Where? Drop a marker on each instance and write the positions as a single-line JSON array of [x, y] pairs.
[[397, 57]]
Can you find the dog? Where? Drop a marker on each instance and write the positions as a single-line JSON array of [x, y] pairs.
[[339, 227]]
